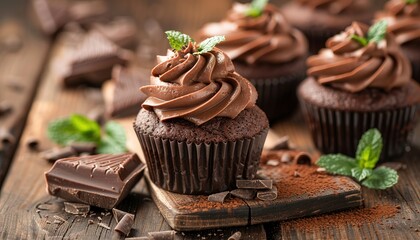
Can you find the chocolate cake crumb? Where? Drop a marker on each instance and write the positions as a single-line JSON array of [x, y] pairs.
[[355, 217]]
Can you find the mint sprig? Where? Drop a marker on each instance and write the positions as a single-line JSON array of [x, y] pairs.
[[178, 40], [208, 44], [256, 8], [376, 33], [362, 167], [78, 128], [411, 1]]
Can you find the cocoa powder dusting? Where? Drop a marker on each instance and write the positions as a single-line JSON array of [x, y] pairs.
[[201, 203], [356, 217]]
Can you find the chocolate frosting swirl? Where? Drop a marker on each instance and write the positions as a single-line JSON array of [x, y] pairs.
[[197, 87], [346, 64], [335, 6], [267, 38], [403, 20]]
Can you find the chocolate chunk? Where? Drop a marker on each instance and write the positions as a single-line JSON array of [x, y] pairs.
[[267, 195], [32, 143], [122, 95], [83, 147], [76, 208], [303, 158], [235, 236], [163, 235], [98, 180], [93, 60], [5, 107], [254, 184], [125, 224], [246, 194], [118, 214], [281, 144], [122, 31], [55, 154], [104, 226], [218, 197], [286, 156]]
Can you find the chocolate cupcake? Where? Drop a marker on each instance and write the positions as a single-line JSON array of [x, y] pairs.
[[265, 50], [321, 19], [355, 85], [403, 18], [199, 127]]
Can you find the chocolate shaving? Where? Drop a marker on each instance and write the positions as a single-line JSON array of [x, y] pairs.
[[118, 214], [235, 236], [163, 235], [55, 154], [246, 194], [104, 226], [76, 208], [83, 147], [218, 197], [281, 144], [267, 195], [254, 184], [303, 159], [125, 224]]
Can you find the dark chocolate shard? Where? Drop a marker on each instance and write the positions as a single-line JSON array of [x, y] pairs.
[[93, 60], [98, 180], [58, 153], [218, 197], [122, 95], [84, 147], [254, 184], [122, 31], [76, 208], [281, 144], [246, 194], [125, 224], [267, 195], [235, 236], [163, 235]]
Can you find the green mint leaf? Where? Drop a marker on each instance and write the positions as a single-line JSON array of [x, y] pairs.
[[377, 31], [363, 41], [337, 164], [411, 1], [208, 44], [66, 130], [256, 8], [369, 149], [360, 173], [178, 40], [381, 178], [87, 127], [114, 139]]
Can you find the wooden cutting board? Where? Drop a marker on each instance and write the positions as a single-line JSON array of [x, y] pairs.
[[298, 196]]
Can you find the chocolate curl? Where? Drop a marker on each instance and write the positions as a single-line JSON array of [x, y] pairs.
[[218, 197], [125, 224], [268, 195], [296, 156], [164, 235], [235, 236]]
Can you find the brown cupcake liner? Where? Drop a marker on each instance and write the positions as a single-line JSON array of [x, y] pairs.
[[337, 131], [204, 168], [277, 96], [416, 71]]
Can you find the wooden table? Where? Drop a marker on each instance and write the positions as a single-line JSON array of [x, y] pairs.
[[25, 73]]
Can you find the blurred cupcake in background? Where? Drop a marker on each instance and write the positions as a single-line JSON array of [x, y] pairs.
[[361, 80], [403, 18], [266, 50], [321, 19]]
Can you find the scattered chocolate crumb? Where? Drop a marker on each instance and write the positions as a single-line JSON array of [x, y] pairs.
[[235, 236], [99, 218], [90, 221], [56, 221], [355, 217], [48, 222], [59, 218], [254, 184], [218, 197], [104, 226]]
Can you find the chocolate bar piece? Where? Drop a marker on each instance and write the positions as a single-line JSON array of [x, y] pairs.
[[98, 180], [122, 95], [122, 31], [254, 184], [218, 197], [246, 194], [76, 208], [93, 60]]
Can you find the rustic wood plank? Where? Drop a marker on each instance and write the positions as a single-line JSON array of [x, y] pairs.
[[22, 54]]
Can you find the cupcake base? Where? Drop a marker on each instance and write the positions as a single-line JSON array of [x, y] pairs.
[[338, 119]]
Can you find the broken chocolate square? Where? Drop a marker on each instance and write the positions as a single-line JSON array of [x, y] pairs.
[[76, 208], [98, 180]]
